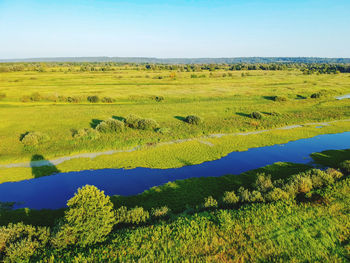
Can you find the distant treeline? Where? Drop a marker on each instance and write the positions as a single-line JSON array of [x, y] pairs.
[[150, 60], [306, 68]]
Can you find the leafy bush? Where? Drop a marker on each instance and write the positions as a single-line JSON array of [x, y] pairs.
[[93, 99], [300, 184], [18, 242], [90, 216], [320, 178], [161, 211], [132, 121], [334, 173], [315, 95], [86, 133], [74, 99], [263, 183], [345, 167], [147, 124], [35, 96], [135, 215], [159, 98], [230, 198], [2, 95], [110, 125], [256, 115], [163, 130], [250, 196], [279, 98], [193, 119], [34, 138], [276, 194], [210, 202], [107, 100]]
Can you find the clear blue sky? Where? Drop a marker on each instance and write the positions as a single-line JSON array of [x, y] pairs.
[[211, 28]]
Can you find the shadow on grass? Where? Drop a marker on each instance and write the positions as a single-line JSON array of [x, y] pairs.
[[119, 118], [94, 123], [180, 118], [243, 114], [269, 97], [41, 167], [182, 194], [331, 158], [301, 97]]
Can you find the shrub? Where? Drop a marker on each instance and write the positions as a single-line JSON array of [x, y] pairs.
[[159, 98], [93, 99], [135, 215], [263, 183], [320, 178], [230, 198], [35, 96], [90, 216], [276, 194], [34, 138], [315, 95], [210, 202], [2, 95], [256, 115], [147, 124], [279, 98], [163, 130], [345, 167], [193, 119], [86, 133], [301, 184], [107, 100], [110, 125], [132, 121], [161, 211], [18, 242], [74, 99], [247, 196]]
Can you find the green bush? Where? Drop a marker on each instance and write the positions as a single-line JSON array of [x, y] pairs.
[[334, 173], [107, 100], [210, 202], [230, 198], [159, 98], [315, 95], [135, 215], [160, 211], [345, 167], [147, 124], [256, 115], [85, 133], [247, 196], [74, 99], [132, 121], [110, 125], [319, 178], [90, 216], [35, 96], [93, 99], [276, 194], [163, 130], [34, 138], [18, 242], [193, 119], [263, 183], [300, 184], [279, 98]]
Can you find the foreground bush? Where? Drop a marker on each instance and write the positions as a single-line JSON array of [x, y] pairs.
[[345, 167], [132, 121], [110, 125], [147, 124], [135, 215], [256, 115], [193, 119], [34, 138], [89, 219], [86, 133], [18, 242]]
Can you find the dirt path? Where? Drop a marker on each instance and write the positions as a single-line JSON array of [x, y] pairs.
[[201, 140]]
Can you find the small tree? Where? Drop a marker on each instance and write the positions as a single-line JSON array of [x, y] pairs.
[[193, 119], [90, 216], [93, 99], [256, 115], [147, 124]]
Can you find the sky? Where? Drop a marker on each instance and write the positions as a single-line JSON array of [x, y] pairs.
[[173, 29]]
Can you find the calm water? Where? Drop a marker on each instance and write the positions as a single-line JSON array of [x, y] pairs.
[[347, 96], [54, 191]]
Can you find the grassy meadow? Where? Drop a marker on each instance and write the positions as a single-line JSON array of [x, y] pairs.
[[37, 101]]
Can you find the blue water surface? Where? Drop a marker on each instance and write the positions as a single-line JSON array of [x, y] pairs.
[[54, 191]]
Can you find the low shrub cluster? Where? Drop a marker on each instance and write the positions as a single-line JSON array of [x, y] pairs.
[[279, 98], [2, 95], [193, 119], [256, 115], [136, 122], [107, 100], [34, 138], [135, 215], [110, 126], [86, 133], [93, 99]]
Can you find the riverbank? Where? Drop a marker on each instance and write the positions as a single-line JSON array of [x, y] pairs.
[[179, 153]]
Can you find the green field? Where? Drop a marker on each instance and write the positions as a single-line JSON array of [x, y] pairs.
[[37, 101]]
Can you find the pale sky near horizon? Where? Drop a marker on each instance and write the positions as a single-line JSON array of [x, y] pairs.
[[210, 28]]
